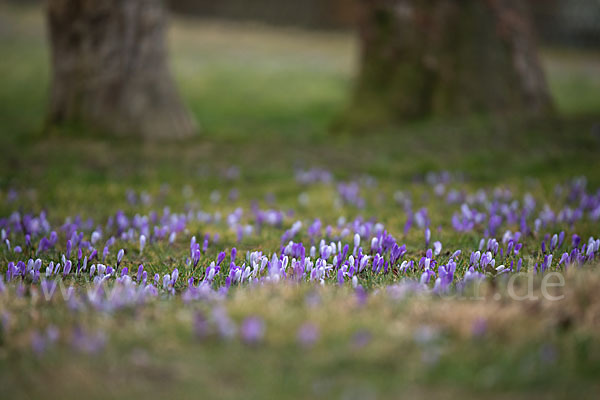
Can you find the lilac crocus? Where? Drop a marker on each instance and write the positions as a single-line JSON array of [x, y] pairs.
[[564, 259], [95, 237], [225, 326], [575, 240], [142, 243], [69, 246], [437, 248], [120, 255], [221, 257], [139, 273], [67, 268], [252, 330]]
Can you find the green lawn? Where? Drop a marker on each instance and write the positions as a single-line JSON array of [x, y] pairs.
[[266, 98]]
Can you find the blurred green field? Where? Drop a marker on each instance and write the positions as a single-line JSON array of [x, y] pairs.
[[266, 98], [263, 93]]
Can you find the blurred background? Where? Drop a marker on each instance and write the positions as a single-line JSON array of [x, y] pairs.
[[273, 77], [560, 22]]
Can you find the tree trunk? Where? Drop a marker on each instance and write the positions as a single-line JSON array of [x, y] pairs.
[[110, 70], [448, 57]]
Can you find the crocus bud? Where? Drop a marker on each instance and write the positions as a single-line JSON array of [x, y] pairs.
[[142, 243], [437, 248], [120, 255]]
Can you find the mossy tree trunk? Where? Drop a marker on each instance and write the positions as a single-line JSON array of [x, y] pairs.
[[109, 69], [448, 57]]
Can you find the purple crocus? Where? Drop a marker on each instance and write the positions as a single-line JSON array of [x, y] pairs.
[[437, 248], [120, 255], [225, 326], [139, 273], [69, 245], [252, 330], [142, 243], [221, 257], [576, 240]]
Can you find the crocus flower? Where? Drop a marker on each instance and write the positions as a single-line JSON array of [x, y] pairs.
[[356, 240], [225, 326], [563, 258], [67, 268], [69, 245], [576, 240], [95, 237], [139, 272], [252, 330], [437, 248], [120, 255], [221, 257], [142, 243]]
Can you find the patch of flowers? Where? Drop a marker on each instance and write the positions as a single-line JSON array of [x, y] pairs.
[[99, 265]]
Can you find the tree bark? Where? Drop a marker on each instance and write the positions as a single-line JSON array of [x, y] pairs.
[[109, 69], [448, 57]]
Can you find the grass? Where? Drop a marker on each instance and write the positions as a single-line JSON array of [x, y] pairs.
[[265, 98]]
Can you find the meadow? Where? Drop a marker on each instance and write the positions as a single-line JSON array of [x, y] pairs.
[[272, 254]]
